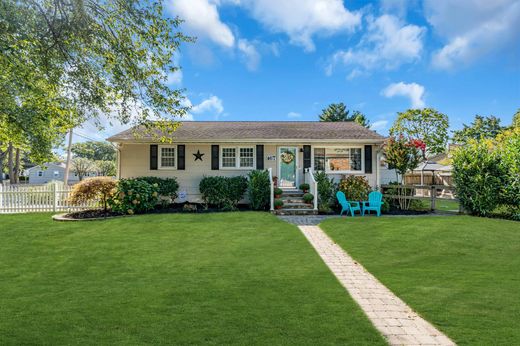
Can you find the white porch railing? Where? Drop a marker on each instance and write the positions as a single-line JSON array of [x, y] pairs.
[[313, 186], [271, 184], [38, 198]]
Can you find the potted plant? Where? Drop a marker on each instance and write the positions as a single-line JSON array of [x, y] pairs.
[[277, 192], [278, 204], [308, 198], [275, 181], [305, 187]]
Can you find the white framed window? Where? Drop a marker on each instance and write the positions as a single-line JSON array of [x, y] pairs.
[[237, 158], [247, 158], [166, 157], [229, 157], [339, 159], [56, 173], [40, 173]]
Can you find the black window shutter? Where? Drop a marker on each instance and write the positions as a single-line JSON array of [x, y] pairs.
[[214, 157], [181, 157], [260, 156], [153, 156], [306, 156], [368, 159]]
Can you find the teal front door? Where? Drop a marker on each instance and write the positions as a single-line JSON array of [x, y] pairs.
[[287, 163]]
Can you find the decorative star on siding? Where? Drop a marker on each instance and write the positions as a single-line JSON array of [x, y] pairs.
[[198, 155]]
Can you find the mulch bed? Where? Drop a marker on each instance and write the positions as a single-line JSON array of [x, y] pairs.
[[91, 214]]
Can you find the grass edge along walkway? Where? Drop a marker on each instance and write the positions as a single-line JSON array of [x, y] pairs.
[[389, 314], [459, 272], [222, 278]]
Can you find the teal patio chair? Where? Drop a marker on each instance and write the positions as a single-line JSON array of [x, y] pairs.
[[375, 200], [346, 205]]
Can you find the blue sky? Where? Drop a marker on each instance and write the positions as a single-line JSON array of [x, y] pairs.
[[288, 59]]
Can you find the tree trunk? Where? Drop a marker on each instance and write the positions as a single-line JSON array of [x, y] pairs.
[[17, 167], [10, 163], [2, 155]]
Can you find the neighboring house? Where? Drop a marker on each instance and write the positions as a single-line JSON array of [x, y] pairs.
[[202, 148], [47, 172]]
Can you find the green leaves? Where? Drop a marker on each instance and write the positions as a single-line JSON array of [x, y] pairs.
[[481, 128], [67, 61], [339, 112], [425, 124], [402, 155], [258, 189]]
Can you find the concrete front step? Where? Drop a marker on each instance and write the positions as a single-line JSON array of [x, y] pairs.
[[297, 211], [297, 205]]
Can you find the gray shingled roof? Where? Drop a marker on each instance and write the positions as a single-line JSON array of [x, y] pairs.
[[204, 131]]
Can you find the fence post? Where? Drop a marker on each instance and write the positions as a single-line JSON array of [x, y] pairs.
[[433, 193], [1, 194], [54, 198]]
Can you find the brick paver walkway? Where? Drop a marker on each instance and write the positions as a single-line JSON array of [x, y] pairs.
[[389, 314]]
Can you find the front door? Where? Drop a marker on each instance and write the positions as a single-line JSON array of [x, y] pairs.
[[287, 160]]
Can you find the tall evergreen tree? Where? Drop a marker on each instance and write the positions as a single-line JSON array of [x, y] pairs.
[[335, 112]]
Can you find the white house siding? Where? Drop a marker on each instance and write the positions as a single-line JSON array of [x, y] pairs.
[[135, 161]]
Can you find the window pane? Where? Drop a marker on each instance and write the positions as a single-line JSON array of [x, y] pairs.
[[319, 159], [246, 157], [355, 158], [168, 157], [228, 157], [338, 159]]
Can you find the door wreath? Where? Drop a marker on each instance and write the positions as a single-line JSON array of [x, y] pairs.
[[287, 157]]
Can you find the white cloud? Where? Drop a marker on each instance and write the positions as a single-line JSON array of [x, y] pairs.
[[379, 125], [414, 91], [211, 104], [249, 54], [293, 115], [473, 28], [387, 44], [303, 19], [174, 78], [202, 19]]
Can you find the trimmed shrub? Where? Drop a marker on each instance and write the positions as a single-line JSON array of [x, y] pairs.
[[277, 191], [356, 188], [479, 177], [134, 196], [223, 192], [93, 189], [326, 191], [259, 189], [305, 187], [166, 187], [308, 198]]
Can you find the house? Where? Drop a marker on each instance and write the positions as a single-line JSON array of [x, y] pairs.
[[47, 172], [289, 149]]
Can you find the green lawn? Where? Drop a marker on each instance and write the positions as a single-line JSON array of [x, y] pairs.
[[446, 205], [461, 273], [227, 278]]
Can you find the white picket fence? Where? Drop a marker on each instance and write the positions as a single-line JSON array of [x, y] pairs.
[[38, 198]]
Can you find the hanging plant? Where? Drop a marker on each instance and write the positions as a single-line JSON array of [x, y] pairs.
[[287, 157]]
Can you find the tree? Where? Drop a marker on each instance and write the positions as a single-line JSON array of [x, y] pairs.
[[427, 124], [94, 150], [339, 112], [516, 118], [361, 119], [66, 61], [105, 168], [335, 112], [481, 128], [92, 189], [402, 154], [82, 167]]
